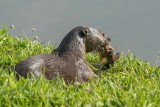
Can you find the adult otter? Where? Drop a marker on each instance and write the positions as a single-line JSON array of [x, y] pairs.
[[68, 61]]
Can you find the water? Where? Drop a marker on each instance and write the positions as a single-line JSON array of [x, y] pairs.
[[132, 25]]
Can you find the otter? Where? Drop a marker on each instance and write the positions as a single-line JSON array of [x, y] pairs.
[[108, 57], [68, 60]]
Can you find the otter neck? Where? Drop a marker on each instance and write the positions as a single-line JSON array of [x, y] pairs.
[[73, 45]]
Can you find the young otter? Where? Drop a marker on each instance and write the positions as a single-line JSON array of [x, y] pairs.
[[108, 57], [68, 60]]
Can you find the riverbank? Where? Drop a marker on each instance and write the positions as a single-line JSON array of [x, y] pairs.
[[130, 82]]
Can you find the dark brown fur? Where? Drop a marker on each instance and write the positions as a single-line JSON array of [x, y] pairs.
[[68, 60]]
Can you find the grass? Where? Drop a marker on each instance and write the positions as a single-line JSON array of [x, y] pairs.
[[129, 83]]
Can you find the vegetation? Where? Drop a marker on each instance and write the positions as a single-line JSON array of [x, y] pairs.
[[129, 83]]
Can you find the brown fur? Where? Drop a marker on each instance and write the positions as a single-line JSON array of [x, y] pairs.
[[67, 60], [108, 57]]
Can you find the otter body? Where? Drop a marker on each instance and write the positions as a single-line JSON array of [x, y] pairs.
[[68, 60], [68, 67]]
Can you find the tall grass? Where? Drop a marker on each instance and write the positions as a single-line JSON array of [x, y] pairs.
[[129, 83]]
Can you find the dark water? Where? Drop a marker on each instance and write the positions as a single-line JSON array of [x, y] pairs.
[[132, 25]]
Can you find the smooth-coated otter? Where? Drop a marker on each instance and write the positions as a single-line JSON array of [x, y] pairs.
[[107, 57], [68, 60]]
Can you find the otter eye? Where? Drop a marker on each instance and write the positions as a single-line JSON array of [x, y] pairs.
[[85, 32], [109, 39]]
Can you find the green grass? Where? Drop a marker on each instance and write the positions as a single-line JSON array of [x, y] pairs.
[[129, 83]]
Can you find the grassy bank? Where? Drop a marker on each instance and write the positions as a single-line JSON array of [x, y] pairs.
[[131, 82]]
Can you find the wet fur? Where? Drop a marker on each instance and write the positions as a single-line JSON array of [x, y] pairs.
[[67, 61]]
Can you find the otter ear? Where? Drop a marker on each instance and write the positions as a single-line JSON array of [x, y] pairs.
[[85, 32]]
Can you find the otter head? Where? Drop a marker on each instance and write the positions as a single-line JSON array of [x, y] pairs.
[[81, 40], [96, 40]]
